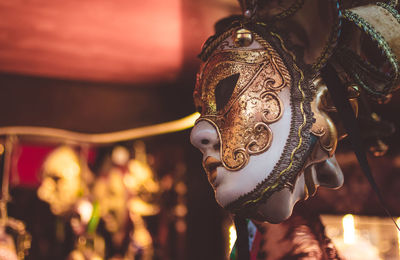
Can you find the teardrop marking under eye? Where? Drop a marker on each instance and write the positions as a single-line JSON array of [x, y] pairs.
[[224, 90]]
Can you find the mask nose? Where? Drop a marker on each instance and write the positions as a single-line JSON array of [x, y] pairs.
[[205, 138]]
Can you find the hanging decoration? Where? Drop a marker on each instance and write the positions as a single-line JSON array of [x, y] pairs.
[[15, 241]]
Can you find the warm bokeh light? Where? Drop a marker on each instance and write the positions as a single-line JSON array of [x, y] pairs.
[[349, 232], [85, 210], [141, 236], [140, 176], [120, 155], [232, 237], [141, 207]]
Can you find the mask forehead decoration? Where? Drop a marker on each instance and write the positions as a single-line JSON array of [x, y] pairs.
[[238, 89]]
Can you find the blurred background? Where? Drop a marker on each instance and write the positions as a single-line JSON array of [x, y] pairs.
[[102, 66]]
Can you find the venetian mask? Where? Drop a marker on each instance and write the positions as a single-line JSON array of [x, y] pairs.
[[264, 127], [61, 186], [268, 130]]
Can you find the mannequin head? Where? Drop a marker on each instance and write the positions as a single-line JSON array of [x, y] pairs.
[[61, 185], [263, 132]]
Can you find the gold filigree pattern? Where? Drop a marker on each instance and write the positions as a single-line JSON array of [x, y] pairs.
[[242, 123], [323, 126]]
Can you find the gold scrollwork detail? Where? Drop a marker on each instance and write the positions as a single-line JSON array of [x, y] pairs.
[[323, 127], [239, 158], [258, 140], [242, 124], [275, 79], [261, 140], [272, 107]]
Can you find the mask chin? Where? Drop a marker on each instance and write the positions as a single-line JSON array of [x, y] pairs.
[[280, 205]]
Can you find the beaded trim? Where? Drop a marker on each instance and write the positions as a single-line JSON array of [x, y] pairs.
[[382, 45], [331, 43], [358, 67], [390, 9]]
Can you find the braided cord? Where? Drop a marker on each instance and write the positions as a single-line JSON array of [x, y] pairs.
[[332, 41], [360, 68]]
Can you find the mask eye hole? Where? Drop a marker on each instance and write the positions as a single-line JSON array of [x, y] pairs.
[[224, 90]]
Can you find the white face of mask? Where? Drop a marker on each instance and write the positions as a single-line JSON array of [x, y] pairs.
[[267, 141]]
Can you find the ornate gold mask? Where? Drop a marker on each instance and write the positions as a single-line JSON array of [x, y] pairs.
[[237, 90]]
